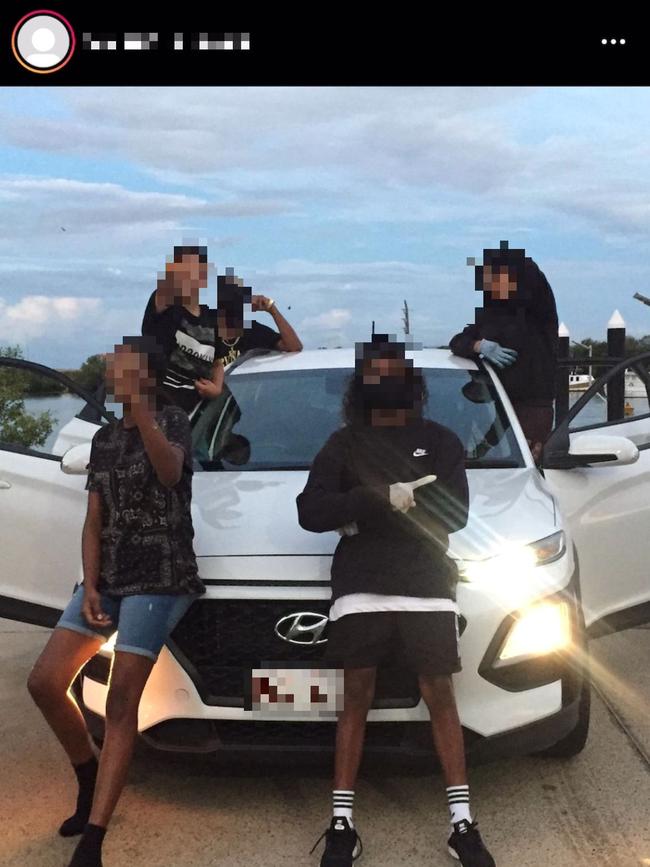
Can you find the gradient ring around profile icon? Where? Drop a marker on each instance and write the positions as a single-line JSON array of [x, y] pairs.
[[43, 41]]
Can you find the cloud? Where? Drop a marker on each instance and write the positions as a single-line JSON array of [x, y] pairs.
[[428, 154], [42, 206], [389, 135], [333, 319], [37, 315]]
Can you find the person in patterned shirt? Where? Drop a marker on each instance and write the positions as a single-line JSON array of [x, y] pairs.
[[140, 577]]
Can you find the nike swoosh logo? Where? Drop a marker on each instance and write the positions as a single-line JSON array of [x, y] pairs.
[[418, 453]]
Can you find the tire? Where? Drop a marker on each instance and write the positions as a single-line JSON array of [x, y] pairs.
[[574, 742]]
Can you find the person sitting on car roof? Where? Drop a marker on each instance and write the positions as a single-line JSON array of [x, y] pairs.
[[235, 335], [186, 330]]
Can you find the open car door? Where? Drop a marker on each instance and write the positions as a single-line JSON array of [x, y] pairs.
[[600, 473], [42, 494]]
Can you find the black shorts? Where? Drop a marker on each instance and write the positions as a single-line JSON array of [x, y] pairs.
[[426, 642]]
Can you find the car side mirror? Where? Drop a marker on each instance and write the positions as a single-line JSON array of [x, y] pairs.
[[237, 450], [593, 449], [75, 460]]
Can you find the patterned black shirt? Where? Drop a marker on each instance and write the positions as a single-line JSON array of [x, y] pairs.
[[147, 532]]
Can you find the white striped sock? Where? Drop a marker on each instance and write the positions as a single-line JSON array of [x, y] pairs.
[[342, 803], [458, 799]]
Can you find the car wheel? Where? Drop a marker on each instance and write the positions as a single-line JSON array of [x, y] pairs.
[[573, 742]]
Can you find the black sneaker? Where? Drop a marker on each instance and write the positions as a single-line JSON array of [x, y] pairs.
[[342, 844], [466, 846]]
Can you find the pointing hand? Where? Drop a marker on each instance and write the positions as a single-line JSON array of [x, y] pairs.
[[401, 493]]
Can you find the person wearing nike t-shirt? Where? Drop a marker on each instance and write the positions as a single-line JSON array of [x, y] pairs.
[[393, 484], [186, 330]]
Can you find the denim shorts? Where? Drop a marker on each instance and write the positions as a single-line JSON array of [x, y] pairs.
[[143, 623]]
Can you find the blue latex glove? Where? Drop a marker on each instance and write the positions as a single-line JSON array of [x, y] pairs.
[[497, 354]]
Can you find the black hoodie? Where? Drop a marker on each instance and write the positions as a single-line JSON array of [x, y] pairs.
[[528, 323]]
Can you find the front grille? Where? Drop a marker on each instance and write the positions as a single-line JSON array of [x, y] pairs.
[[213, 735], [219, 641]]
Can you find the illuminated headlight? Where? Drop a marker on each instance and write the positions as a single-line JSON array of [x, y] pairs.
[[543, 628], [109, 646], [514, 560]]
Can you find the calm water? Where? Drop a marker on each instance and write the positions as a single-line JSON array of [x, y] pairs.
[[596, 410]]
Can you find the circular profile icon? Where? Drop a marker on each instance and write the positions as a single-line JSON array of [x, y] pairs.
[[43, 41]]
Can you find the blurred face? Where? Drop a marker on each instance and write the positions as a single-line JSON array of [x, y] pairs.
[[388, 385], [197, 271], [128, 379], [183, 280], [229, 327], [377, 368], [499, 282]]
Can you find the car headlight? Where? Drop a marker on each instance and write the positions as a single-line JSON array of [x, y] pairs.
[[544, 627], [514, 560]]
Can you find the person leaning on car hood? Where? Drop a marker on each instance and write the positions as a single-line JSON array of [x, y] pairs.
[[516, 330], [393, 584], [140, 577]]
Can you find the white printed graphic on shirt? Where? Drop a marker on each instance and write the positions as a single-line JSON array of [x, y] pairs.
[[191, 346]]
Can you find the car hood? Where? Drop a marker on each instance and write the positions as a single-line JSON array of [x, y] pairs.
[[253, 514]]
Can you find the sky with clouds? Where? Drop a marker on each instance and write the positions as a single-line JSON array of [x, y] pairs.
[[338, 202]]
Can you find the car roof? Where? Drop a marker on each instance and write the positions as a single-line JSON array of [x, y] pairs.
[[314, 359]]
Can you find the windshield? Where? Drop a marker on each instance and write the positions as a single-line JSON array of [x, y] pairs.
[[280, 420]]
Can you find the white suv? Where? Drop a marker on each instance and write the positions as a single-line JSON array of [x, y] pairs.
[[546, 560]]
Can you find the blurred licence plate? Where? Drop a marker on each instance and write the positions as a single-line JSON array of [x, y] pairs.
[[299, 693]]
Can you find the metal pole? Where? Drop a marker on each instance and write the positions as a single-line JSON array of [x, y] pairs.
[[562, 375], [616, 385]]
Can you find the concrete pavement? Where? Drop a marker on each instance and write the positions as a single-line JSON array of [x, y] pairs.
[[184, 810]]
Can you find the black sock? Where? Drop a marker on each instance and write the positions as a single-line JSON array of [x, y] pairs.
[[86, 776], [89, 849]]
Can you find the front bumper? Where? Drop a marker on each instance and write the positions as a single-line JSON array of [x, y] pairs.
[[397, 739], [177, 712]]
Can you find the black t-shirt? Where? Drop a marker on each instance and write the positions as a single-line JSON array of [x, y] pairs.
[[191, 345], [258, 336], [147, 532]]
